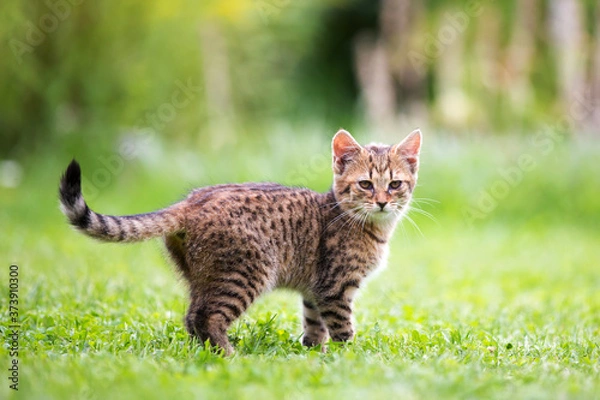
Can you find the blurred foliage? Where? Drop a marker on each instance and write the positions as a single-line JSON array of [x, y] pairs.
[[82, 75]]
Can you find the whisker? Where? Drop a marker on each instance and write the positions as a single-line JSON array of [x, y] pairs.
[[333, 203], [424, 213], [404, 234], [365, 217], [348, 213], [413, 223], [341, 216], [426, 199], [351, 222]]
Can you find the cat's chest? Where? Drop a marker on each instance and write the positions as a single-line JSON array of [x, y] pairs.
[[357, 253]]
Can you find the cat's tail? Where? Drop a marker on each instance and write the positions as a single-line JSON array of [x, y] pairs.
[[128, 228]]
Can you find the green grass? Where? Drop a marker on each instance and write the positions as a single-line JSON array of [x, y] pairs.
[[508, 306]]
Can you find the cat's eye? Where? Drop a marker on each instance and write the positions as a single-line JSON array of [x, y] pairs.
[[367, 185], [395, 184]]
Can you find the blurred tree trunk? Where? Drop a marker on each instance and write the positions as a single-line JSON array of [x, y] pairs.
[[520, 56], [397, 20], [453, 104], [375, 80], [595, 78], [487, 72], [385, 76], [217, 83], [566, 33]]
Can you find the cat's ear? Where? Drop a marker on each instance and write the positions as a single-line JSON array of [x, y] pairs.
[[344, 148], [409, 149]]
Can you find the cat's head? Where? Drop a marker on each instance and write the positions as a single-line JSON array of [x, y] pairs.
[[375, 182]]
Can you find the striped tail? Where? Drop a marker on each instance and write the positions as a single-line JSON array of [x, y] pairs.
[[129, 228]]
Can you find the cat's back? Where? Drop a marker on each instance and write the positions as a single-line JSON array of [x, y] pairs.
[[280, 213], [255, 199]]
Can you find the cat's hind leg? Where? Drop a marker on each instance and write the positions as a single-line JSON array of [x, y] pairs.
[[219, 301], [315, 332], [205, 322]]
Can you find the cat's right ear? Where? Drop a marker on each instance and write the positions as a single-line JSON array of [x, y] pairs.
[[344, 148], [410, 148]]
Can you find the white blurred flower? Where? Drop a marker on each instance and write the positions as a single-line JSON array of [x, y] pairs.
[[11, 174]]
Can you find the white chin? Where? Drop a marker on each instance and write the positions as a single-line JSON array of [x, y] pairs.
[[381, 215]]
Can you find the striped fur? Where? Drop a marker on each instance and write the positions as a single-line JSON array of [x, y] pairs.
[[129, 228], [234, 242]]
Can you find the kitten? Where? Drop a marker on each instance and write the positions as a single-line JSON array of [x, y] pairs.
[[234, 242]]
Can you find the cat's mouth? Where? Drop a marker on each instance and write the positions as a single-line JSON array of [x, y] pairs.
[[380, 213]]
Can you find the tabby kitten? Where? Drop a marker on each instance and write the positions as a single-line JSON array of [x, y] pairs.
[[234, 242]]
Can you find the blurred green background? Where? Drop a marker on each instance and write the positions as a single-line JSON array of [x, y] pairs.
[[495, 294], [84, 75]]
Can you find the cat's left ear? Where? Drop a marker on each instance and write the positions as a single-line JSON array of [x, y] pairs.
[[344, 148], [409, 149]]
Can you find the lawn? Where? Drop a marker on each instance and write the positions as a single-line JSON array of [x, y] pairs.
[[505, 304]]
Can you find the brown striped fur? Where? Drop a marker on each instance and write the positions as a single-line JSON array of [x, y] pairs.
[[234, 242]]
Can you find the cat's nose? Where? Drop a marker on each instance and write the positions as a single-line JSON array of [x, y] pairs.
[[381, 205]]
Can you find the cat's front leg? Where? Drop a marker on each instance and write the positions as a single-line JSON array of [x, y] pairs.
[[337, 315], [334, 302], [315, 332]]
